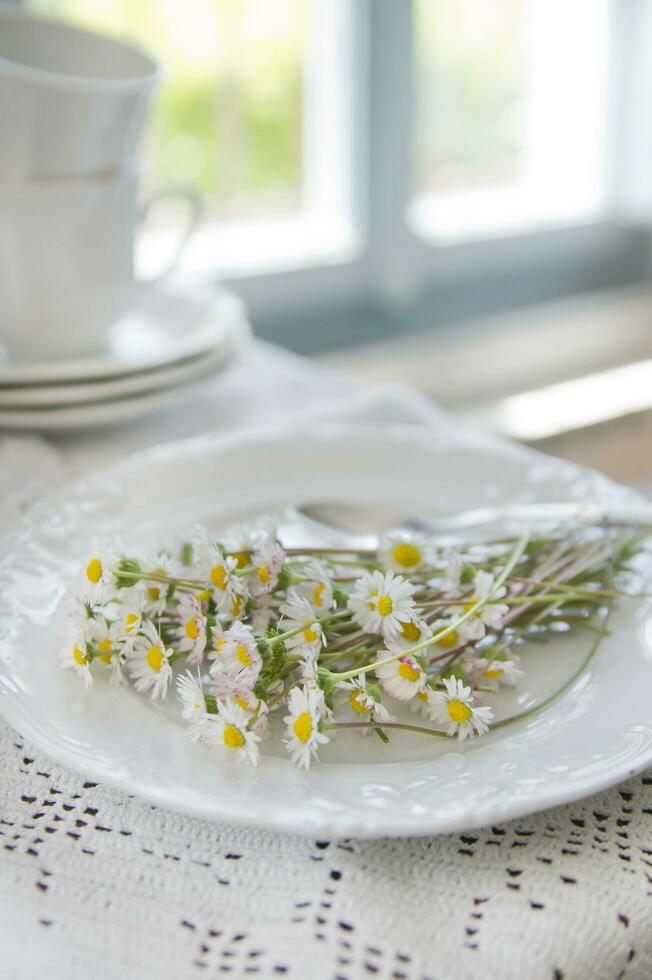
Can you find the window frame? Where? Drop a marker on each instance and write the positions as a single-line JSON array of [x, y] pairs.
[[352, 268], [398, 280]]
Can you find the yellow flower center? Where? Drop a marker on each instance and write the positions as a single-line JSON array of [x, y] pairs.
[[242, 558], [154, 592], [79, 656], [203, 596], [406, 555], [192, 629], [130, 621], [492, 674], [309, 634], [263, 574], [317, 599], [233, 737], [219, 644], [242, 702], [359, 705], [154, 658], [236, 606], [105, 646], [450, 640], [243, 655], [470, 603], [94, 570], [303, 726], [218, 577], [384, 605], [408, 672], [422, 695], [410, 631], [458, 711]]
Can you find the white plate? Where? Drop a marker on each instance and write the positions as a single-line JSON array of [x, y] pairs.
[[165, 327], [596, 733]]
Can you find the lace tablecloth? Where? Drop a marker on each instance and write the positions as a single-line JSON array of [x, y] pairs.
[[96, 883]]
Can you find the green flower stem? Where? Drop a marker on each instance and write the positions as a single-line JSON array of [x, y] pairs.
[[569, 587], [396, 725], [452, 628], [271, 640], [548, 597], [356, 562], [159, 577], [330, 551]]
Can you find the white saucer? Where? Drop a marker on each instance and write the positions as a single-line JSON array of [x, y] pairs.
[[164, 328], [56, 396]]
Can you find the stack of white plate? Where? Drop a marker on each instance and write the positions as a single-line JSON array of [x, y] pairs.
[[167, 341]]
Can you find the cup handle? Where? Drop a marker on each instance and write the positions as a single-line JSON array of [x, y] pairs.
[[195, 202]]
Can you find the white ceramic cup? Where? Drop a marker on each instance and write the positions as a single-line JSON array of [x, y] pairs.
[[71, 102], [66, 261]]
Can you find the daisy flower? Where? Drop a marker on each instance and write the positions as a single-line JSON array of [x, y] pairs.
[[450, 584], [402, 678], [412, 632], [156, 593], [218, 641], [191, 695], [469, 631], [381, 602], [148, 664], [261, 615], [97, 583], [239, 663], [191, 632], [129, 619], [421, 700], [298, 614], [217, 570], [455, 708], [402, 551], [240, 540], [306, 710], [229, 732], [237, 607], [75, 655], [102, 636], [362, 702], [256, 708], [318, 590], [495, 671], [267, 561], [489, 616]]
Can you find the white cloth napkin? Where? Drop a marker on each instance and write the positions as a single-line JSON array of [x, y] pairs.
[[97, 883]]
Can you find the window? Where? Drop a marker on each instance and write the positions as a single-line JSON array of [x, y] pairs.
[[372, 166], [511, 114]]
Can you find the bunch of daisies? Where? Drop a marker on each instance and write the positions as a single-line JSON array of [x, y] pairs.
[[328, 639]]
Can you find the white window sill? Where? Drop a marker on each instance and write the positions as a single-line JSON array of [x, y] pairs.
[[472, 365]]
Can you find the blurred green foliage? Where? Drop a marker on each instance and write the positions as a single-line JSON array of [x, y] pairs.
[[229, 114], [470, 92]]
